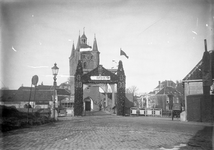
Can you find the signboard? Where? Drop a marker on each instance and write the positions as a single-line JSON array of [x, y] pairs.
[[35, 79], [100, 78]]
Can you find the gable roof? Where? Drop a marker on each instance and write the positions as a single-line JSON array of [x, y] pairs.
[[83, 36], [168, 91], [99, 71], [63, 92], [39, 87], [35, 96], [166, 83], [24, 94], [196, 72], [80, 44]]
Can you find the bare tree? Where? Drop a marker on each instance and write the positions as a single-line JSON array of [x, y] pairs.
[[132, 90]]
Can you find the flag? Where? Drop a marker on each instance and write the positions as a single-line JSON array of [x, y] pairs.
[[123, 53]]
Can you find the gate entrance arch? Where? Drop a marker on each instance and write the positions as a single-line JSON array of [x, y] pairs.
[[99, 75]]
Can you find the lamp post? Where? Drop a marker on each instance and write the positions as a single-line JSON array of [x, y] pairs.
[[55, 70]]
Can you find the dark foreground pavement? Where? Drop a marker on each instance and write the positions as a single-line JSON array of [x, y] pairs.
[[99, 130]]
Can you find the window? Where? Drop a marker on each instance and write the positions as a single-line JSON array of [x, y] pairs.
[[84, 65], [67, 105]]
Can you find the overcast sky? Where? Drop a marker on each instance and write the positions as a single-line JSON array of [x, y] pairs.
[[164, 39]]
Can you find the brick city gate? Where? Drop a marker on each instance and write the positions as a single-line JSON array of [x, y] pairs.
[[97, 76]]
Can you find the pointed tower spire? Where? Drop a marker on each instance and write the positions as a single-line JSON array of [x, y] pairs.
[[83, 38], [205, 45], [73, 51], [95, 48], [78, 44]]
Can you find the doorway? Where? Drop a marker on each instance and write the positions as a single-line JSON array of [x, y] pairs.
[[87, 106]]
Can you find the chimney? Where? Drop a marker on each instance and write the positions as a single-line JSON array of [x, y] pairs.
[[205, 45]]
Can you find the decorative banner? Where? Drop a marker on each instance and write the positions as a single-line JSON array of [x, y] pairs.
[[100, 78], [121, 90]]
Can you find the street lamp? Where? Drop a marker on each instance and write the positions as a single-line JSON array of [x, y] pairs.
[[55, 70]]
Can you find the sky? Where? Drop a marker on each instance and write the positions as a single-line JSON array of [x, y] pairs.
[[164, 39]]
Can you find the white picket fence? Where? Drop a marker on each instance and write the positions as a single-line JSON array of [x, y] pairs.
[[146, 112]]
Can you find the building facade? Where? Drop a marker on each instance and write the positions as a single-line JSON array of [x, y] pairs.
[[165, 96], [90, 57], [199, 90], [40, 96]]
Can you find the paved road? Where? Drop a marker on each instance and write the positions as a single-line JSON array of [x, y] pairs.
[[99, 130]]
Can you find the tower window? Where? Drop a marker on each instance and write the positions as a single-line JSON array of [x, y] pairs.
[[84, 65], [84, 41]]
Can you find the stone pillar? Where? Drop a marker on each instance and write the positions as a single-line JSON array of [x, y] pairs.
[[113, 95], [147, 101], [78, 94], [106, 94], [121, 96]]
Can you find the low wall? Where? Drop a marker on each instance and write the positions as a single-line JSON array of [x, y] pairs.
[[146, 112]]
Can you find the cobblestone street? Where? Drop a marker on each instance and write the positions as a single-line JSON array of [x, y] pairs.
[[99, 130]]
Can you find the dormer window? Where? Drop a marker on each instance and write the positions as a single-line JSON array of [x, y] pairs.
[[84, 41]]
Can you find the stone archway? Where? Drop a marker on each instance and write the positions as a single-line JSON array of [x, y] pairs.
[[99, 75]]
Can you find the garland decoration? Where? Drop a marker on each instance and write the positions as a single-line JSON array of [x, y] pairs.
[[78, 94], [121, 90]]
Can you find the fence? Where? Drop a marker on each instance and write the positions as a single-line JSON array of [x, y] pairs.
[[146, 112]]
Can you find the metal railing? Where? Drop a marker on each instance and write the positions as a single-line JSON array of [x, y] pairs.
[[155, 112]]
